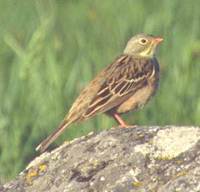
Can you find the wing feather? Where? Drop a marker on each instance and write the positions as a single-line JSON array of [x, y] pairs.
[[124, 77]]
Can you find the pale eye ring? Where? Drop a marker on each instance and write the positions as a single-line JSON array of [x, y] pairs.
[[143, 41]]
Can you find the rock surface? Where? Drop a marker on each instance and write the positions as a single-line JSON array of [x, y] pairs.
[[143, 159]]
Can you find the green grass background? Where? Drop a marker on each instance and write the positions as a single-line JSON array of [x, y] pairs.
[[51, 49]]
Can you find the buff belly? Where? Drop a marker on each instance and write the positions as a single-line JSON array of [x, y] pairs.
[[138, 100]]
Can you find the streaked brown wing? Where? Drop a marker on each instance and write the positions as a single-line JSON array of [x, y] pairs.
[[124, 77]]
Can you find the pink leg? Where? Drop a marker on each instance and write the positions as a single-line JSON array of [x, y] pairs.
[[121, 122]]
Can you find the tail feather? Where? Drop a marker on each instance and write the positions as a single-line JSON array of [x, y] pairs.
[[52, 137]]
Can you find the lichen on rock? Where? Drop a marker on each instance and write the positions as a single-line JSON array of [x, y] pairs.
[[141, 159]]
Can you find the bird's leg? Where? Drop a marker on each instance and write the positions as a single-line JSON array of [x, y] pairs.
[[119, 120]]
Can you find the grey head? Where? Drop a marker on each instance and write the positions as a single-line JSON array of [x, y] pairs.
[[143, 45]]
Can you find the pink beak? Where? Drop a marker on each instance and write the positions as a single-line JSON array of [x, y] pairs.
[[158, 40]]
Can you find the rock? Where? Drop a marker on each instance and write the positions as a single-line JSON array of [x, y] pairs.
[[142, 159]]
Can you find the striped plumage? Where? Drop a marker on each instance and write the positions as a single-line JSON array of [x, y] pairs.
[[127, 84]]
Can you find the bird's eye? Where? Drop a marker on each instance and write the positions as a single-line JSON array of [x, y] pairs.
[[143, 41]]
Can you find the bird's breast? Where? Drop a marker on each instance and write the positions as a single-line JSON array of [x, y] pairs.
[[137, 100], [142, 95]]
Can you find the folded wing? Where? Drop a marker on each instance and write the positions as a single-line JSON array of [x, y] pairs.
[[124, 77]]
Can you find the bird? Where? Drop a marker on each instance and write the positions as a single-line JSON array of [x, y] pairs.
[[127, 84]]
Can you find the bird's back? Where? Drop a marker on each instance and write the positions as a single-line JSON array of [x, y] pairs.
[[113, 86], [147, 89]]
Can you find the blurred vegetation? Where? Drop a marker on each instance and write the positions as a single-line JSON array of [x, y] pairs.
[[51, 49]]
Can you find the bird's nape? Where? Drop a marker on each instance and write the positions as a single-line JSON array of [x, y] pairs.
[[142, 45]]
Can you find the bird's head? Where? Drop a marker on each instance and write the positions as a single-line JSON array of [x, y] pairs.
[[142, 45]]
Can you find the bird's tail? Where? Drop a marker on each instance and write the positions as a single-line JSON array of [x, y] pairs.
[[51, 138]]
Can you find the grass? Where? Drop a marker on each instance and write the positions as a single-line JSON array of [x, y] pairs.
[[51, 49]]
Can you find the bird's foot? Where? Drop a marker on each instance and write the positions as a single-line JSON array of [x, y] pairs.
[[127, 126]]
